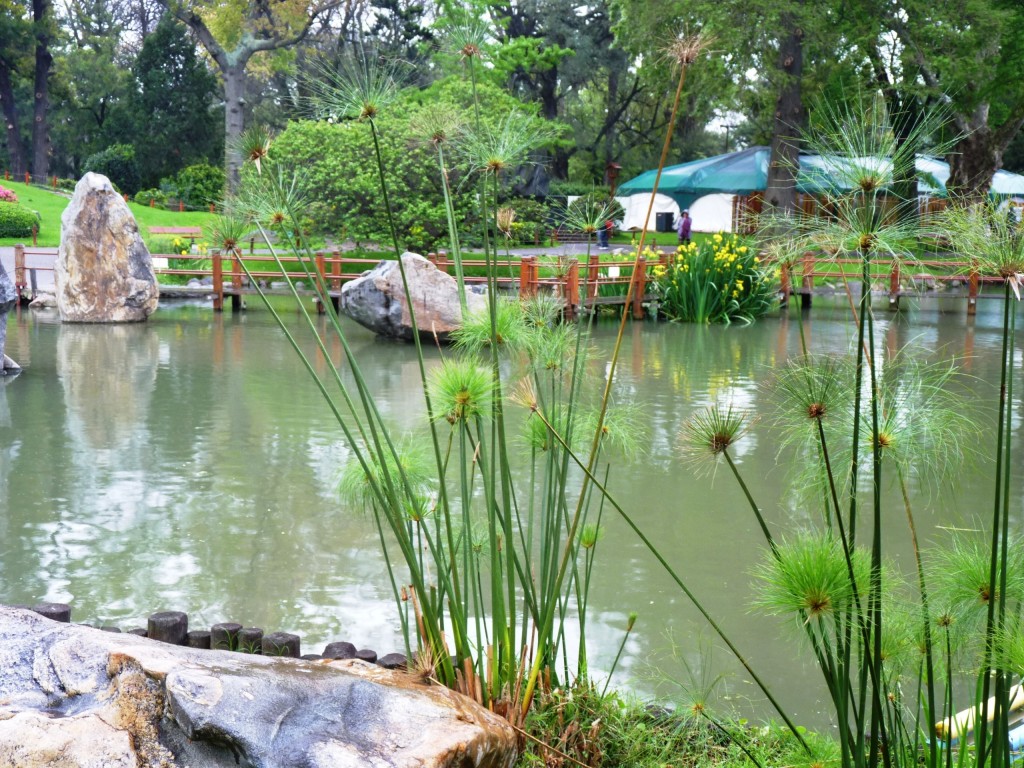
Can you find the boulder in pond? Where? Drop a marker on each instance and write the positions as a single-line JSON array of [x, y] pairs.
[[76, 696], [377, 299], [8, 299], [104, 273]]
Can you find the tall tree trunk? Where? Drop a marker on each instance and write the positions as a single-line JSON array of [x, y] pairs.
[[790, 117], [40, 125], [15, 151], [610, 110], [234, 120]]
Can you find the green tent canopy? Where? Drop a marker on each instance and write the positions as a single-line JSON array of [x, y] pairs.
[[746, 172]]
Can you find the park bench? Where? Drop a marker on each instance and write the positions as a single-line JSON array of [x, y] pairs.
[[563, 235], [190, 233]]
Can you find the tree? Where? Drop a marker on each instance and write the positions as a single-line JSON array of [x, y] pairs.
[[232, 33], [15, 27], [173, 108], [970, 55]]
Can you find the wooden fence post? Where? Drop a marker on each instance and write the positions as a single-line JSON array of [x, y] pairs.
[[442, 261], [527, 276], [593, 274], [218, 281], [28, 179], [54, 182], [572, 289], [639, 282], [181, 206], [19, 270], [894, 286]]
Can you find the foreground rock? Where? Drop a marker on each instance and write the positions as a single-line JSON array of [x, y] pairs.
[[104, 273], [377, 299], [73, 696], [8, 299]]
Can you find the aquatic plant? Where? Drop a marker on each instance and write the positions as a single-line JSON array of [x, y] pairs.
[[720, 281]]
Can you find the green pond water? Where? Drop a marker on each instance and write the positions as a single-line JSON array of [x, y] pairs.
[[189, 464]]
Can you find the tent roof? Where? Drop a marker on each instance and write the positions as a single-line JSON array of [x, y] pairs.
[[746, 171]]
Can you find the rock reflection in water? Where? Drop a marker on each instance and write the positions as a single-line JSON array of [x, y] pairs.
[[107, 373]]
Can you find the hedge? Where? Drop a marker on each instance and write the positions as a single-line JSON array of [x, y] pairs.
[[16, 220]]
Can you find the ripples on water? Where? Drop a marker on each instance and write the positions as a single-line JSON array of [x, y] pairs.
[[188, 463]]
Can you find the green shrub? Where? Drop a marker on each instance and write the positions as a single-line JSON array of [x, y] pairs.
[[719, 281], [531, 223], [16, 220], [147, 196], [201, 184], [116, 162]]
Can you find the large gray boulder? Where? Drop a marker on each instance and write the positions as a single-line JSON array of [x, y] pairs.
[[104, 273], [8, 299], [377, 299], [72, 697]]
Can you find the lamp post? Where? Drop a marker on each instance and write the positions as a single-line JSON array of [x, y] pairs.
[[727, 126]]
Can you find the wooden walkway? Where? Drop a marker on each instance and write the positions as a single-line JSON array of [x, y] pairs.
[[582, 285]]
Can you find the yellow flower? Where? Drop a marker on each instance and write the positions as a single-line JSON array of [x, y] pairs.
[[717, 237], [757, 260], [743, 249]]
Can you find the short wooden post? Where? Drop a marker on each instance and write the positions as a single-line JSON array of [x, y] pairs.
[[442, 261], [19, 269], [7, 175], [972, 290], [639, 287], [218, 281], [198, 638], [593, 273], [152, 202], [213, 208], [894, 286], [250, 640], [54, 182], [282, 644], [339, 650], [28, 179], [224, 636], [54, 611], [336, 270], [572, 289], [181, 206], [168, 627]]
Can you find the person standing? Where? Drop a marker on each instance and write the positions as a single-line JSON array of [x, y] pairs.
[[683, 228]]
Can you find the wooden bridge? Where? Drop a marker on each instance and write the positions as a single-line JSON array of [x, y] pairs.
[[583, 285]]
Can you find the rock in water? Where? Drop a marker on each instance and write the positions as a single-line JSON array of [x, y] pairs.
[[76, 696], [104, 273], [377, 299], [8, 298]]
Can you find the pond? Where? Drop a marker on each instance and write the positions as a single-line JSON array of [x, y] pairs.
[[189, 464]]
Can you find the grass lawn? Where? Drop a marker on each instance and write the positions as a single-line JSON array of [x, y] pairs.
[[50, 206]]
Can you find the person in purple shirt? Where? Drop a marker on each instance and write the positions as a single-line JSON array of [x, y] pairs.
[[683, 228]]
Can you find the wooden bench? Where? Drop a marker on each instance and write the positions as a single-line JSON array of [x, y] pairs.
[[191, 233]]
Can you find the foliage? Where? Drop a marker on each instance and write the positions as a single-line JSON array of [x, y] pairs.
[[117, 163], [175, 121], [578, 726], [719, 281], [16, 220], [199, 185], [147, 196]]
